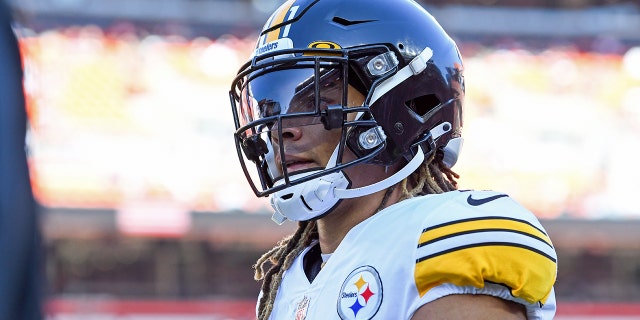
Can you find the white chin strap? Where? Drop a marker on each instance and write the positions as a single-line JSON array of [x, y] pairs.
[[383, 184], [318, 196]]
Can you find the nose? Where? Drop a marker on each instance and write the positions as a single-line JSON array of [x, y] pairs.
[[289, 129], [288, 133]]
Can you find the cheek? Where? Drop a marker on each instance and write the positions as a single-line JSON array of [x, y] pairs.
[[325, 142], [328, 140]]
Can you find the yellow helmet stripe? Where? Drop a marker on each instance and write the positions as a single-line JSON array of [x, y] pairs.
[[278, 18]]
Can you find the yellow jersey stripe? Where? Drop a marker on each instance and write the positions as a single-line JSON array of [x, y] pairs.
[[527, 273], [278, 19], [458, 227]]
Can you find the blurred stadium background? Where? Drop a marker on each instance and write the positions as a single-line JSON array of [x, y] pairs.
[[145, 211]]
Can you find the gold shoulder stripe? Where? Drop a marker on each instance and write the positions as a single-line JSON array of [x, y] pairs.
[[528, 274], [482, 224]]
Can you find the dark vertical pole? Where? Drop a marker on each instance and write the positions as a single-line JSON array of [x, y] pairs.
[[20, 260]]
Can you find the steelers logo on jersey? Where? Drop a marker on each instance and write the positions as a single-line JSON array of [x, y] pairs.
[[360, 295]]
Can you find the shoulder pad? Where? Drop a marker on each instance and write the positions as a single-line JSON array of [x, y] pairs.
[[478, 237]]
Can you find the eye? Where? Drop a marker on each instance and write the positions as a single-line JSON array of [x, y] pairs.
[[331, 84], [324, 102], [269, 108]]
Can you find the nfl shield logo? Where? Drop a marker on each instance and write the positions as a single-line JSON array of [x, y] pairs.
[[301, 310]]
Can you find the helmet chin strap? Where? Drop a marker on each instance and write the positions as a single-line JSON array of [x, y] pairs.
[[316, 197], [412, 166], [385, 183]]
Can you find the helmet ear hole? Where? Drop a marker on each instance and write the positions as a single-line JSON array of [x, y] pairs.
[[423, 104]]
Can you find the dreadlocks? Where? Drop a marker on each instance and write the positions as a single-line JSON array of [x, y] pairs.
[[432, 177]]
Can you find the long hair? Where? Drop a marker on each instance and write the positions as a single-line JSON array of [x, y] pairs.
[[432, 177]]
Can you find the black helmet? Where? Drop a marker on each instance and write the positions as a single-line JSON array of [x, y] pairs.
[[393, 52]]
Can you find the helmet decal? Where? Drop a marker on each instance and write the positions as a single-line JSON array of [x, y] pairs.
[[280, 44], [324, 45]]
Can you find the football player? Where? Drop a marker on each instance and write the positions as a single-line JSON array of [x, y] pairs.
[[349, 117]]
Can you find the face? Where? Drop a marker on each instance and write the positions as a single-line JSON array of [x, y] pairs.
[[309, 145]]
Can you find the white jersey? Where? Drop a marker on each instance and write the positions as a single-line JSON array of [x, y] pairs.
[[424, 248]]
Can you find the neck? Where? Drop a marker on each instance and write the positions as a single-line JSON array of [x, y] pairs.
[[334, 227]]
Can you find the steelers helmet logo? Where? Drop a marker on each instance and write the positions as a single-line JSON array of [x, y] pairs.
[[360, 295], [324, 45]]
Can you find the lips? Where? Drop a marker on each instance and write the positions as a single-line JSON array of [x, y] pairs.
[[297, 165]]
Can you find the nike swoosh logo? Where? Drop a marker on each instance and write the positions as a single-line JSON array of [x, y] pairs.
[[477, 202]]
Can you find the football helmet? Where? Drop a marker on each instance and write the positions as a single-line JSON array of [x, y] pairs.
[[393, 52]]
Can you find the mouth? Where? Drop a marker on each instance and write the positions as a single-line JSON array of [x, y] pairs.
[[298, 165]]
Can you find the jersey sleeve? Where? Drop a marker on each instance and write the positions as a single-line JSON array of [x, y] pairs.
[[483, 242]]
